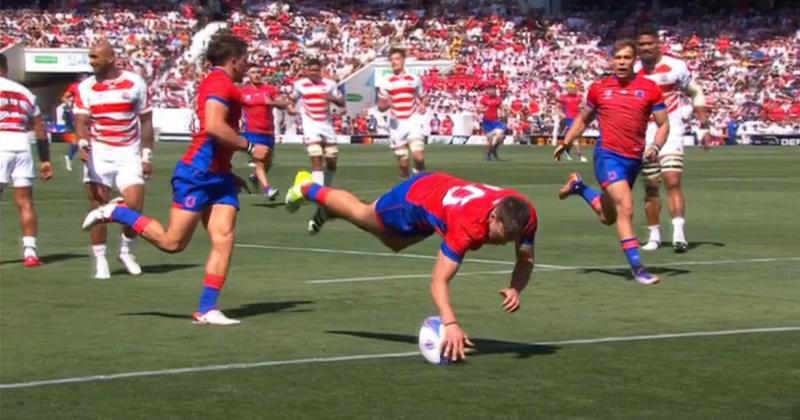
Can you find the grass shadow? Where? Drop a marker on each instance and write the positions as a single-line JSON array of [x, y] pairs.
[[159, 268], [698, 244], [483, 346], [269, 205], [51, 258], [244, 311], [626, 273]]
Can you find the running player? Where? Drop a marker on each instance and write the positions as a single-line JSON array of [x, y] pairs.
[[570, 107], [673, 77], [315, 94], [114, 124], [622, 104], [402, 93], [68, 100], [466, 215], [18, 112], [493, 128], [204, 188], [259, 99]]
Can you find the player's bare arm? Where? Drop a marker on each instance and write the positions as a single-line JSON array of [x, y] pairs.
[[82, 131], [456, 339], [579, 125], [216, 126], [338, 100], [43, 148], [520, 278], [280, 102], [148, 141], [662, 121]]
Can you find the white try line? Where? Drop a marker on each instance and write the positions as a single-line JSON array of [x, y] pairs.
[[377, 356], [543, 268], [376, 254]]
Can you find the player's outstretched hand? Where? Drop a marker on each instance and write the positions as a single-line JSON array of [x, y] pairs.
[[260, 152], [560, 150], [651, 154], [45, 171], [511, 301], [147, 169], [455, 343]]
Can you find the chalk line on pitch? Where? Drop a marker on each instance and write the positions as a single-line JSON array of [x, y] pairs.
[[377, 356]]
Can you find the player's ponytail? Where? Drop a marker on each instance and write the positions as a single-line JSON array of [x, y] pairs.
[[515, 214]]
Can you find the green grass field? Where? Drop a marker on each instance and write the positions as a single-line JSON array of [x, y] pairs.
[[742, 272]]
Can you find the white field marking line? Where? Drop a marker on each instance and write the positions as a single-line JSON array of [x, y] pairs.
[[378, 254], [377, 356], [543, 268]]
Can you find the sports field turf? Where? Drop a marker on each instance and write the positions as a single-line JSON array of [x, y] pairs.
[[309, 304]]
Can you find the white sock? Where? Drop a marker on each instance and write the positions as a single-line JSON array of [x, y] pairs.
[[655, 233], [126, 244], [99, 251], [329, 177], [319, 177], [28, 246], [677, 229]]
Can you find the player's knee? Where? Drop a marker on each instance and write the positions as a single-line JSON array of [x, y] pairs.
[[416, 146], [401, 152], [174, 247], [331, 152], [314, 150], [625, 210]]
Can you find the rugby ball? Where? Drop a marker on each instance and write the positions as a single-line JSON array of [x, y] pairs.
[[431, 334]]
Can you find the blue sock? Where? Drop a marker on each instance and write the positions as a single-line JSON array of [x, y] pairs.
[[208, 299], [315, 192], [73, 150], [630, 247], [125, 216]]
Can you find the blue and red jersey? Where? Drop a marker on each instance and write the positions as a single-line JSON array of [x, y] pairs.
[[570, 105], [492, 104], [623, 111], [456, 209], [257, 115], [205, 152]]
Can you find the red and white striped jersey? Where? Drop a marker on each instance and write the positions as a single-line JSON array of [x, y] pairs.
[[672, 76], [113, 107], [313, 97], [403, 92], [17, 108]]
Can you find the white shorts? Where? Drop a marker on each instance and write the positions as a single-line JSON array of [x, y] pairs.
[[321, 132], [403, 131], [121, 169], [16, 168], [674, 144]]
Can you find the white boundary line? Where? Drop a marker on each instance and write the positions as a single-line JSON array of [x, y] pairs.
[[314, 360], [543, 268], [377, 254]]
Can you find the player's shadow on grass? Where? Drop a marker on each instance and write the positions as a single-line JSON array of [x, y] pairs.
[[51, 258], [270, 205], [159, 268], [482, 345], [693, 245], [244, 311], [626, 272]]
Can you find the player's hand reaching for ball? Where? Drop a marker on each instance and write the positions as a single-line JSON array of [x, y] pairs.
[[455, 342], [510, 299], [651, 154]]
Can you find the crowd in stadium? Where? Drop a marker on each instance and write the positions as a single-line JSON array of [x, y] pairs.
[[747, 62]]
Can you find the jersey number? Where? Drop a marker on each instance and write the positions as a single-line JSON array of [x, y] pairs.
[[460, 196]]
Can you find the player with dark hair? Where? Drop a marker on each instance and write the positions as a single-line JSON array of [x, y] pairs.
[[672, 75], [623, 104], [315, 94], [204, 188], [466, 215], [494, 129], [18, 113]]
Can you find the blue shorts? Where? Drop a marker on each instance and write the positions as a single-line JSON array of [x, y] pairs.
[[260, 138], [610, 167], [195, 190], [493, 125], [396, 215], [568, 122]]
